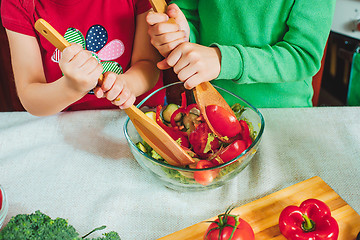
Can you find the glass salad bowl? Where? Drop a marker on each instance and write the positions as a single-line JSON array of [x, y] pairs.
[[3, 205], [214, 172]]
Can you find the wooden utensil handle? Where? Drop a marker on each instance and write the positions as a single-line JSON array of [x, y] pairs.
[[160, 7], [55, 38]]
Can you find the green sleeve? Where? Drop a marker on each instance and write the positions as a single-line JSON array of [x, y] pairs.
[[295, 57], [190, 10]]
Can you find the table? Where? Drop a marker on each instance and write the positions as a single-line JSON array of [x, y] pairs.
[[78, 166]]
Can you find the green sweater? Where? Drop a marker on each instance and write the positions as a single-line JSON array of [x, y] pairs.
[[270, 49]]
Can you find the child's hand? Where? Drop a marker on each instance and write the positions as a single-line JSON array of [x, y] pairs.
[[193, 63], [115, 89], [80, 68], [167, 36]]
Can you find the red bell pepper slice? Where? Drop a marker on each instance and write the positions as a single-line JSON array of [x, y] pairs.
[[175, 113], [174, 133], [183, 110], [183, 100], [310, 221]]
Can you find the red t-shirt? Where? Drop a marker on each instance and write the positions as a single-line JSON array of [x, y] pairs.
[[106, 27]]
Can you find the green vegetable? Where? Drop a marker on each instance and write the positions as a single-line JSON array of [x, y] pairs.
[[238, 110], [39, 226], [253, 133], [169, 110], [210, 138], [177, 176], [190, 122], [173, 174], [141, 146], [155, 155], [152, 115], [147, 147]]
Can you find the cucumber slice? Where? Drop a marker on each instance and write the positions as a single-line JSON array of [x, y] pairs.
[[151, 115], [190, 121], [169, 110], [195, 111], [141, 147], [156, 155]]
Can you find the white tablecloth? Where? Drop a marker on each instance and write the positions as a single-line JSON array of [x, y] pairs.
[[78, 166]]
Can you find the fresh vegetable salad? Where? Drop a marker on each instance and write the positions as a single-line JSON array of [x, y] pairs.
[[186, 125]]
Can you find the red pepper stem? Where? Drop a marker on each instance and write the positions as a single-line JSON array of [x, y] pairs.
[[308, 225]]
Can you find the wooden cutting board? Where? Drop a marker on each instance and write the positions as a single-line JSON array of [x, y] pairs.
[[263, 214]]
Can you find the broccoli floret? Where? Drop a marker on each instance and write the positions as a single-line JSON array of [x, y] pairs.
[[39, 226], [109, 236]]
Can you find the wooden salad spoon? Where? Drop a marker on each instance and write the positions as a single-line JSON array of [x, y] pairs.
[[148, 129], [205, 94]]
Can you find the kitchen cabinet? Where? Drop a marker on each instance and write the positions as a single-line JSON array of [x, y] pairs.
[[343, 41], [338, 65]]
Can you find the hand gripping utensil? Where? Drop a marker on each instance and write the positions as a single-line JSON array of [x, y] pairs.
[[148, 129], [205, 94]]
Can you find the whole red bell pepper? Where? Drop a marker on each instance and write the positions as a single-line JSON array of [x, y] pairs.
[[310, 221]]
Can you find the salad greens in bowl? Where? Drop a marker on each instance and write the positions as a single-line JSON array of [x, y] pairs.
[[216, 160]]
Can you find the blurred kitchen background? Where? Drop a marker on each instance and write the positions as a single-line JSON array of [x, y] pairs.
[[331, 84], [344, 41]]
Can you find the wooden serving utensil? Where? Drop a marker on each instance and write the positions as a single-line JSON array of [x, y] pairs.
[[205, 94], [149, 130]]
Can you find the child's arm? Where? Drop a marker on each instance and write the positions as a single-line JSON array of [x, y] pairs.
[[140, 77], [81, 72]]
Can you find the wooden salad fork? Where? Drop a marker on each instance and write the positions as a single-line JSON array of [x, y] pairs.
[[148, 129]]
